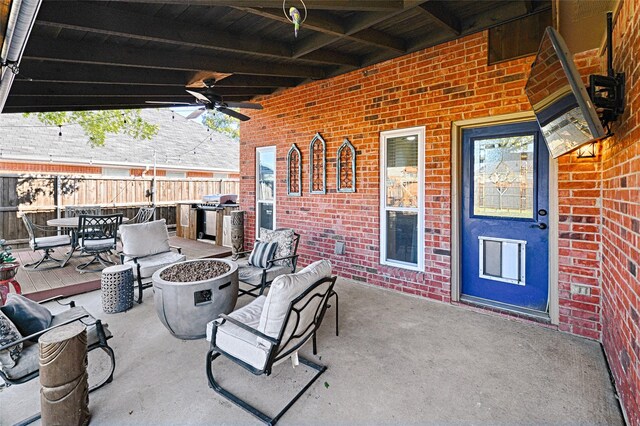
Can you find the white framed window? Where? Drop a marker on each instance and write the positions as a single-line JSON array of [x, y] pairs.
[[402, 198], [265, 188], [115, 172], [175, 175]]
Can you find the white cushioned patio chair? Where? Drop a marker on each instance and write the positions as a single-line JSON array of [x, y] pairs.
[[272, 329], [284, 261], [46, 243], [146, 246], [23, 321]]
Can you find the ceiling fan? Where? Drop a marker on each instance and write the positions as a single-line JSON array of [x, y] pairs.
[[211, 101]]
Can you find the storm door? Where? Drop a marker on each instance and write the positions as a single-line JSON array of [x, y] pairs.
[[505, 215]]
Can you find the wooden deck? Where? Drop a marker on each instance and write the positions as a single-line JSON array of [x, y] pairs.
[[49, 281]]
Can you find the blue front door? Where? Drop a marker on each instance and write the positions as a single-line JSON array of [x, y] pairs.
[[505, 217]]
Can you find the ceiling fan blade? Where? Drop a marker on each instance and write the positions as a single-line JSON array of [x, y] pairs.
[[168, 103], [248, 105], [199, 96], [233, 113], [195, 114]]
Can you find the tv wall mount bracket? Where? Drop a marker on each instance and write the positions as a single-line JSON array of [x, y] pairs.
[[607, 91]]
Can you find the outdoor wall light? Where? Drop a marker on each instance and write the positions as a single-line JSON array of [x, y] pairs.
[[587, 150]]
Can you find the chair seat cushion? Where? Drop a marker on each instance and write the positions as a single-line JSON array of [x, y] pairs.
[[105, 244], [29, 359], [238, 342], [253, 275], [150, 264], [40, 243], [28, 316]]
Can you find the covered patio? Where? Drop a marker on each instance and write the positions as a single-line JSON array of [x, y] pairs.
[[399, 139], [398, 359]]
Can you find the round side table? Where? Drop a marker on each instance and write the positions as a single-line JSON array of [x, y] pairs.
[[117, 288]]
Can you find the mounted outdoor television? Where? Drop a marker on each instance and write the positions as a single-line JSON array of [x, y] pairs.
[[560, 101]]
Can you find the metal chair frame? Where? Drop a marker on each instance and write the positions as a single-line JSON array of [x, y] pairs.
[[264, 283], [100, 344], [147, 281], [144, 215], [98, 228], [48, 249], [274, 355]]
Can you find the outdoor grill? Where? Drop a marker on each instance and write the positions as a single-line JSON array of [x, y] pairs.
[[208, 213]]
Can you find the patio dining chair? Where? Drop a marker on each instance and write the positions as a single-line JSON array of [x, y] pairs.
[[45, 243], [272, 329], [23, 321], [144, 215], [97, 237], [259, 275]]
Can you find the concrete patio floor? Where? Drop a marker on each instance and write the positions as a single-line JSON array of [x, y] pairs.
[[398, 360]]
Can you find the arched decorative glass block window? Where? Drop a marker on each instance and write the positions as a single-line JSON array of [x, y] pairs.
[[317, 165], [294, 171], [346, 167]]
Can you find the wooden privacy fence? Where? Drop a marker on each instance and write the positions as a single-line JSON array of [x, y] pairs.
[[45, 197]]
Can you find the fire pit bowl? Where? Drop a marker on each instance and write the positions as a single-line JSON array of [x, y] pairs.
[[187, 295]]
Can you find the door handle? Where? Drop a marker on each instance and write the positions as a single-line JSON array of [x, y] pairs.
[[540, 225]]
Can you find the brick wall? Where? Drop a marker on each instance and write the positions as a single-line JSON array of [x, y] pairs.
[[621, 222], [579, 201], [430, 88]]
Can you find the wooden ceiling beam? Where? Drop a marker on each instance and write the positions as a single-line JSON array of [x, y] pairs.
[[62, 72], [358, 24], [31, 88], [442, 17], [87, 101], [240, 80], [82, 52], [347, 5], [110, 21], [506, 13], [509, 11], [41, 108], [332, 28]]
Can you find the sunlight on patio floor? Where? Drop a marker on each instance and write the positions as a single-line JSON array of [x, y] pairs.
[[398, 360]]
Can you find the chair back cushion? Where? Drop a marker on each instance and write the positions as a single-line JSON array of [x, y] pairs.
[[286, 243], [262, 253], [283, 291], [9, 333], [28, 316], [144, 239]]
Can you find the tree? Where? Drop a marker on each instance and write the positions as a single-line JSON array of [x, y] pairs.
[[97, 124], [222, 123]]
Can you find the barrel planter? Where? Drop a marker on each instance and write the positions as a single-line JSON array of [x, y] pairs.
[[188, 295]]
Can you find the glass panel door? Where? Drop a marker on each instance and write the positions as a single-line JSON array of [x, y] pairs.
[[265, 188]]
